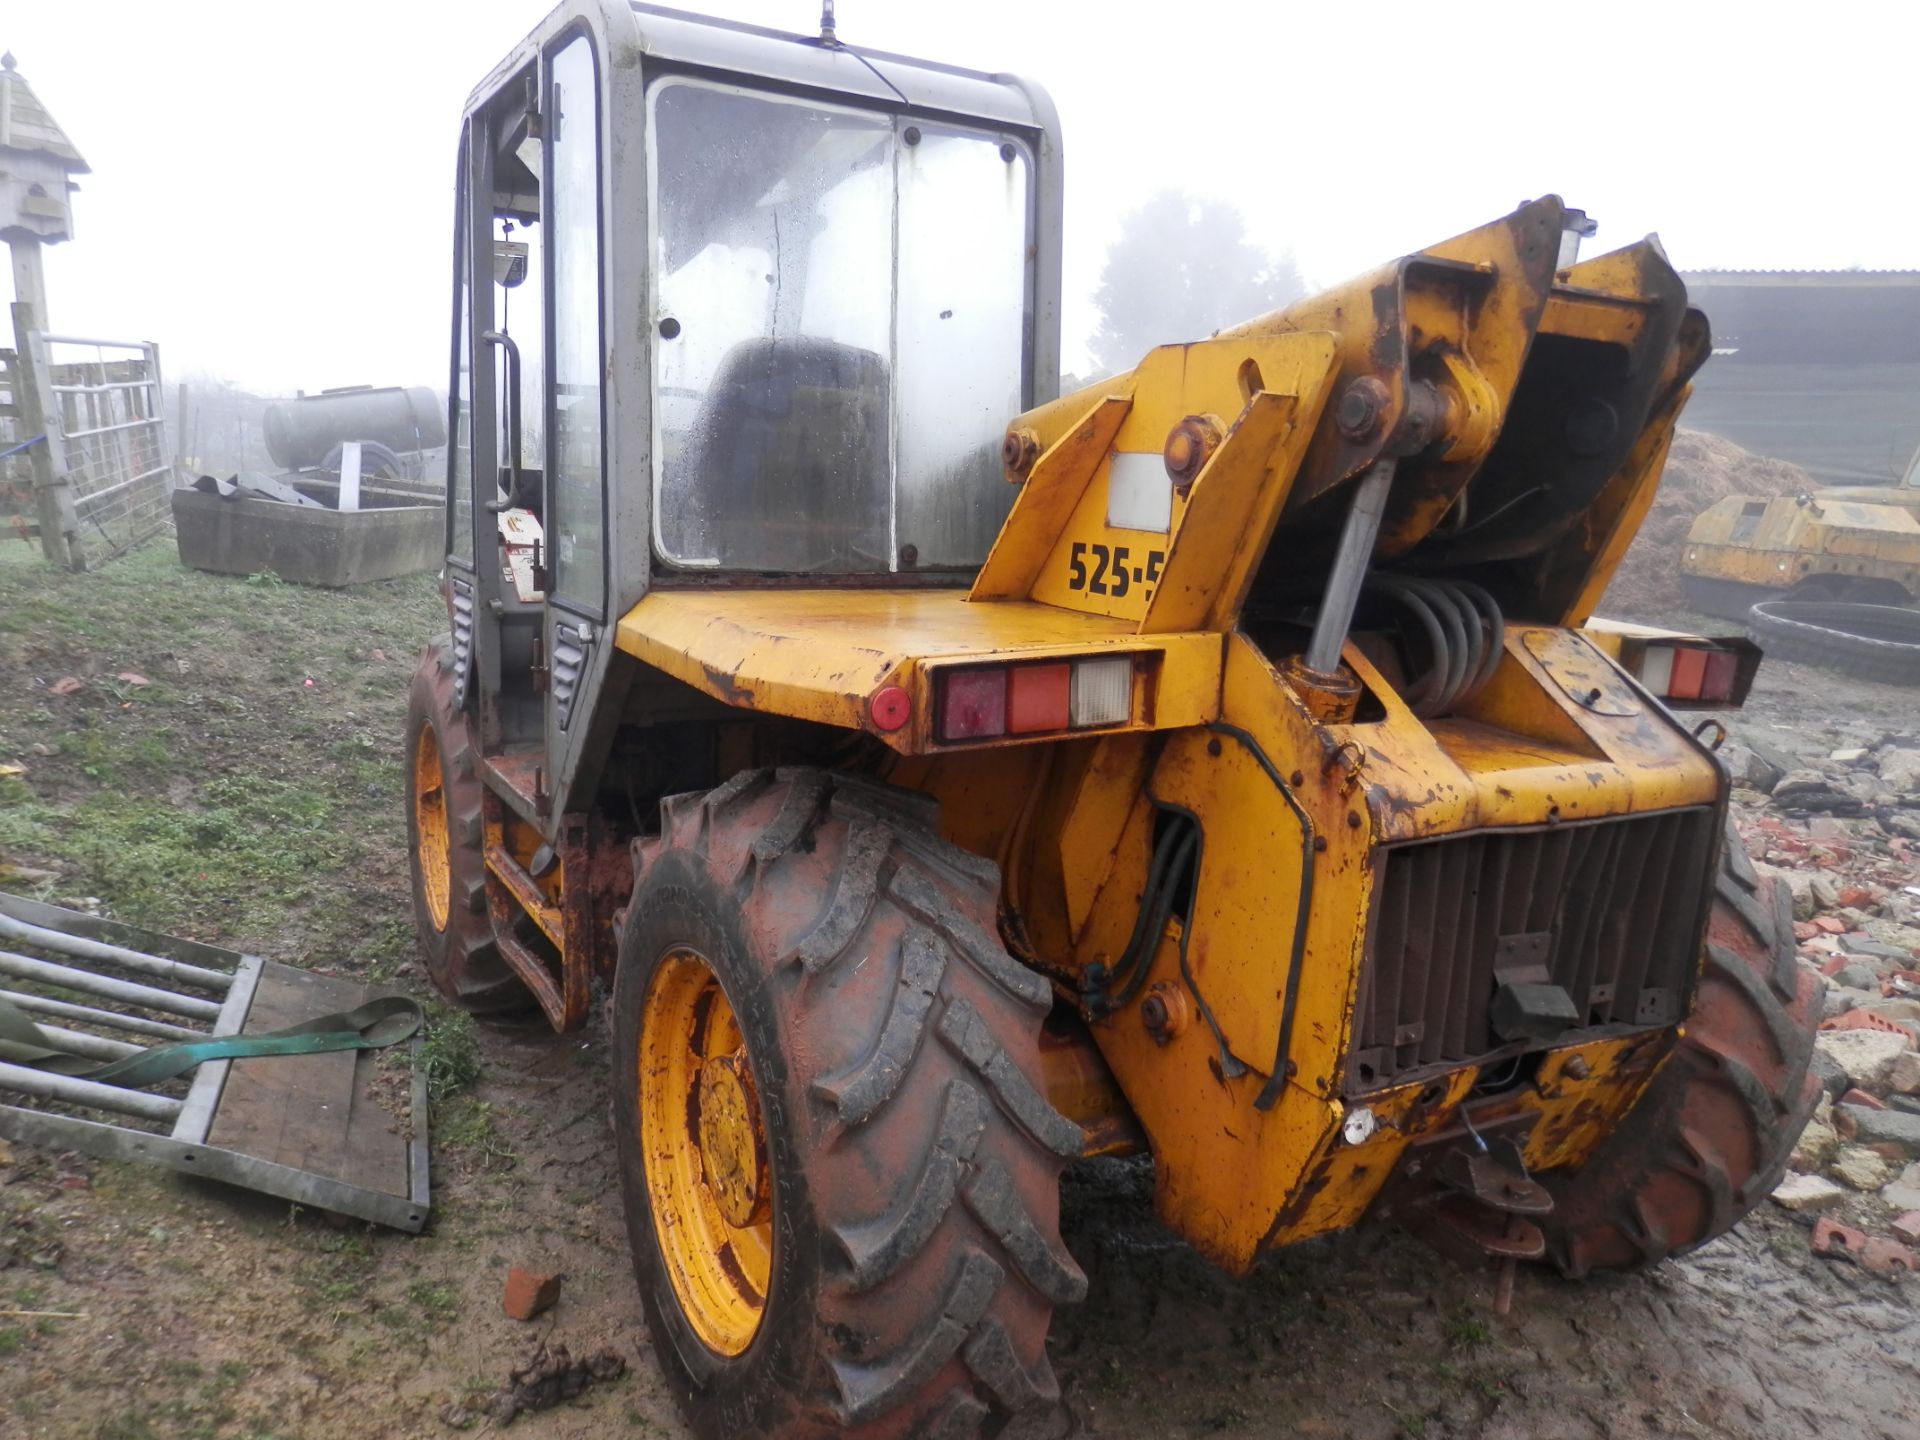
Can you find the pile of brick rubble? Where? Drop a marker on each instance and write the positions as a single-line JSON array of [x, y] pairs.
[[1842, 833]]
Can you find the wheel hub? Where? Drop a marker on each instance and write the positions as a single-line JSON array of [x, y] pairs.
[[709, 1177], [733, 1146]]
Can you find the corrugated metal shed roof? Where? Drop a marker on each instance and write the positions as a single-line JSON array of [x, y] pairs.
[[1809, 278], [26, 125]]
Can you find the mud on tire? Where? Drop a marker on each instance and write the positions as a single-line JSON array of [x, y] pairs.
[[460, 956], [914, 1161], [1711, 1135]]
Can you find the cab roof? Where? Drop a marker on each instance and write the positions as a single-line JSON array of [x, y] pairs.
[[684, 40]]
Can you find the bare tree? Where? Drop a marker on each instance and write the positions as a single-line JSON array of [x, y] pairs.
[[1182, 268]]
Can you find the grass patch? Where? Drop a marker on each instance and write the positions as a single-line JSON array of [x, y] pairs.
[[337, 1280], [467, 1124], [230, 764], [450, 1054]]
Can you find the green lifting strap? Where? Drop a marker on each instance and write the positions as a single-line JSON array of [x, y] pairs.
[[372, 1026]]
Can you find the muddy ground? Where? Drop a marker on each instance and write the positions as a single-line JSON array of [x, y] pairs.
[[229, 798]]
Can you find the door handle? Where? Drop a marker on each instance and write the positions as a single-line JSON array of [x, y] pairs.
[[506, 343]]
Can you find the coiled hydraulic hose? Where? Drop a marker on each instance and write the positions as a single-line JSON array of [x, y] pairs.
[[1464, 630]]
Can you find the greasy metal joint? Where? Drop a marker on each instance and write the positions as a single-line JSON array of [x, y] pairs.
[[1018, 451], [1164, 1012], [1422, 421], [1331, 696], [1190, 444], [1358, 410], [1470, 408]]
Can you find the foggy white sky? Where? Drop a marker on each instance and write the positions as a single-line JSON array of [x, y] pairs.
[[271, 196]]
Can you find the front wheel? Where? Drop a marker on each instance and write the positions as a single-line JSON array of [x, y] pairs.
[[841, 1177], [1711, 1135], [445, 854]]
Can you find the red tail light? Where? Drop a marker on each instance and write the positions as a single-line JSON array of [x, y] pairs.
[[1703, 673], [1039, 697], [973, 704]]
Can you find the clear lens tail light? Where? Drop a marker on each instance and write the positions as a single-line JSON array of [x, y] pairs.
[[1102, 692]]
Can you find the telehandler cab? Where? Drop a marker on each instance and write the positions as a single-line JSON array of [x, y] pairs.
[[1209, 763]]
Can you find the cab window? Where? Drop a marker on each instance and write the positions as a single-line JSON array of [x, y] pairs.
[[841, 311]]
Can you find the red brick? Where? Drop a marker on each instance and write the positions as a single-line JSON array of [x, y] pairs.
[[1907, 1227], [1832, 1239], [1858, 896], [1861, 1097], [1830, 924], [528, 1293], [1805, 930]]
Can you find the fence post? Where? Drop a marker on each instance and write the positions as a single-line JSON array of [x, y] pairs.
[[59, 524]]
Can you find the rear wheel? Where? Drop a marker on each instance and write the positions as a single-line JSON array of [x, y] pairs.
[[1711, 1135], [841, 1177], [444, 846]]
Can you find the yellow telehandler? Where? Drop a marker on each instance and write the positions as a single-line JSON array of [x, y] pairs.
[[1209, 763]]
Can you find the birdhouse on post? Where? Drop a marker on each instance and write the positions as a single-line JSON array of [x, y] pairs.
[[37, 166]]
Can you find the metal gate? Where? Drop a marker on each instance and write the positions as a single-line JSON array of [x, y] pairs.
[[106, 436]]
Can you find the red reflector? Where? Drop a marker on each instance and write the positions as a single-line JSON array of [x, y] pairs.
[[1718, 682], [973, 704], [1037, 698], [1689, 670], [889, 708]]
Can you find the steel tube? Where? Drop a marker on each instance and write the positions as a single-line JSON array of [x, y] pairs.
[[132, 1024], [96, 344], [1349, 568], [94, 1047], [144, 420], [104, 387], [42, 938], [87, 983], [29, 1081]]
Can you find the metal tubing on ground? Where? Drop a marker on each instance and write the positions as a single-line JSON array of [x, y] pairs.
[[132, 1024], [41, 938], [29, 1081], [1349, 568], [24, 967], [94, 1047]]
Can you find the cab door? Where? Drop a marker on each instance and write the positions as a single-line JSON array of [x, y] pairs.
[[577, 544]]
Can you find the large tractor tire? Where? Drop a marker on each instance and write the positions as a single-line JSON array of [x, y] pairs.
[[1711, 1135], [841, 1174], [444, 846]]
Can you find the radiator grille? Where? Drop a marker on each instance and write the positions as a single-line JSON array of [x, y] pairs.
[[1612, 908]]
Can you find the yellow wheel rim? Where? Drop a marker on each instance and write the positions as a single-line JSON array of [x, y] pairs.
[[430, 826], [705, 1153]]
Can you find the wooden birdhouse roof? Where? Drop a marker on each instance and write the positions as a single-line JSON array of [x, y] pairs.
[[25, 124]]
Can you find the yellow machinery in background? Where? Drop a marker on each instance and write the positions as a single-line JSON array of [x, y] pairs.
[[1210, 763], [1858, 544]]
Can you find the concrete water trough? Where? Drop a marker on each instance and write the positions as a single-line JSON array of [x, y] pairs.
[[393, 532]]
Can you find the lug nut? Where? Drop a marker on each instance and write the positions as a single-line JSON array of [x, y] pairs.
[[1577, 1068]]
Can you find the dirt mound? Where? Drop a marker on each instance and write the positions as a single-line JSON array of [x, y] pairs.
[[1701, 469]]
